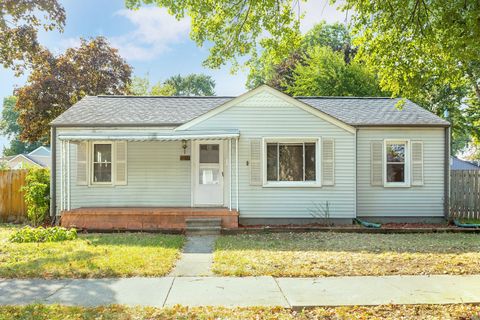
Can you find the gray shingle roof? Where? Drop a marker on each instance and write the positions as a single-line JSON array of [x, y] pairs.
[[129, 110], [373, 111]]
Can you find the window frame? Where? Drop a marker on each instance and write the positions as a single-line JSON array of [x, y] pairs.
[[287, 184], [407, 163], [91, 152]]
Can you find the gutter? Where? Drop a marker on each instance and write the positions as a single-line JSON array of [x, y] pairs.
[[112, 125], [53, 173], [429, 125]]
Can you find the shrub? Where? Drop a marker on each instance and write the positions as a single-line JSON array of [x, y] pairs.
[[41, 234], [37, 194]]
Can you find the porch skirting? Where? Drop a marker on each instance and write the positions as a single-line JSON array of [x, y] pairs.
[[142, 218]]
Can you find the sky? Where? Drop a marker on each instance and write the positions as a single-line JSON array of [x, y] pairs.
[[152, 41]]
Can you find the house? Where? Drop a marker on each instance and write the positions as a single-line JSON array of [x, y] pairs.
[[458, 164], [264, 157], [40, 157]]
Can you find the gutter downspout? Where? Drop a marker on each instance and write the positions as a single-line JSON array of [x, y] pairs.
[[53, 176], [446, 194], [236, 174], [356, 172]]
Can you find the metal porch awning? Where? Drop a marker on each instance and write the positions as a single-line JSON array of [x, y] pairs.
[[155, 136]]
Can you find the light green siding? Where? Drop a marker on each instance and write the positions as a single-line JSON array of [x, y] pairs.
[[414, 201], [265, 115]]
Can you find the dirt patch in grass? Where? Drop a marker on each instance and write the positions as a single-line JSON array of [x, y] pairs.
[[346, 254], [90, 256], [55, 312]]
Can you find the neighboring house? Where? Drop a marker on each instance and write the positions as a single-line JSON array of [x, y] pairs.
[[270, 157], [458, 164], [40, 157]]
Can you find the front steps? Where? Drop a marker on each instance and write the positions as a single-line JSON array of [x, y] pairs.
[[203, 226]]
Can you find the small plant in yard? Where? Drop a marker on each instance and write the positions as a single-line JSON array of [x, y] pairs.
[[41, 234], [321, 211], [4, 165], [37, 194]]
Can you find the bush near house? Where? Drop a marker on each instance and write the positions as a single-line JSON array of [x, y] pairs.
[[37, 194]]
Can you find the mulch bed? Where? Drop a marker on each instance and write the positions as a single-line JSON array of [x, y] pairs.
[[386, 228]]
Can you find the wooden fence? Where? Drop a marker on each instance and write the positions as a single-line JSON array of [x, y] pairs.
[[12, 204], [465, 194]]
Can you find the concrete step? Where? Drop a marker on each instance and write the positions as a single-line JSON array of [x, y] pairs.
[[202, 231], [203, 222]]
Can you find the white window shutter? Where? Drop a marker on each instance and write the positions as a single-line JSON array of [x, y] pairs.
[[82, 163], [256, 162], [417, 163], [376, 163], [121, 163], [328, 164]]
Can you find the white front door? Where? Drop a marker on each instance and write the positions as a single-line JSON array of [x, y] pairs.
[[208, 173]]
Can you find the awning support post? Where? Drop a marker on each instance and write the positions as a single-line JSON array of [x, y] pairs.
[[236, 169], [230, 173]]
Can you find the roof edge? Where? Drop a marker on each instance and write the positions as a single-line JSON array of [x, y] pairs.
[[403, 125], [346, 97], [108, 125], [165, 97]]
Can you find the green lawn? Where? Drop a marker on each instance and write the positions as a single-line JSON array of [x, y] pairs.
[[344, 254], [90, 256], [55, 312]]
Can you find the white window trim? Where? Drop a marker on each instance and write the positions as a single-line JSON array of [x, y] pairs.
[[405, 184], [90, 159], [288, 184]]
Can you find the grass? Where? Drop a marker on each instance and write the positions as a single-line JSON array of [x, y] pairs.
[[90, 256], [346, 254], [55, 312]]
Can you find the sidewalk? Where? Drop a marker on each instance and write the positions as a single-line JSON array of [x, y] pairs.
[[196, 259], [248, 291]]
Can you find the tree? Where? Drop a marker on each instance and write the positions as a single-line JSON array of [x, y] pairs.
[[57, 82], [335, 36], [410, 42], [10, 128], [276, 69], [190, 85], [427, 51], [454, 105], [19, 21], [325, 73], [234, 28], [139, 86]]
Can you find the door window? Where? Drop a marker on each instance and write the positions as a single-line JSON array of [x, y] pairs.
[[209, 170]]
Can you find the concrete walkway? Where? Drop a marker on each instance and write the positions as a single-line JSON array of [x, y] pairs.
[[248, 291], [196, 259]]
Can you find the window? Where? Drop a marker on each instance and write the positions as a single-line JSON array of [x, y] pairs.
[[396, 163], [291, 162], [209, 164], [102, 163]]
